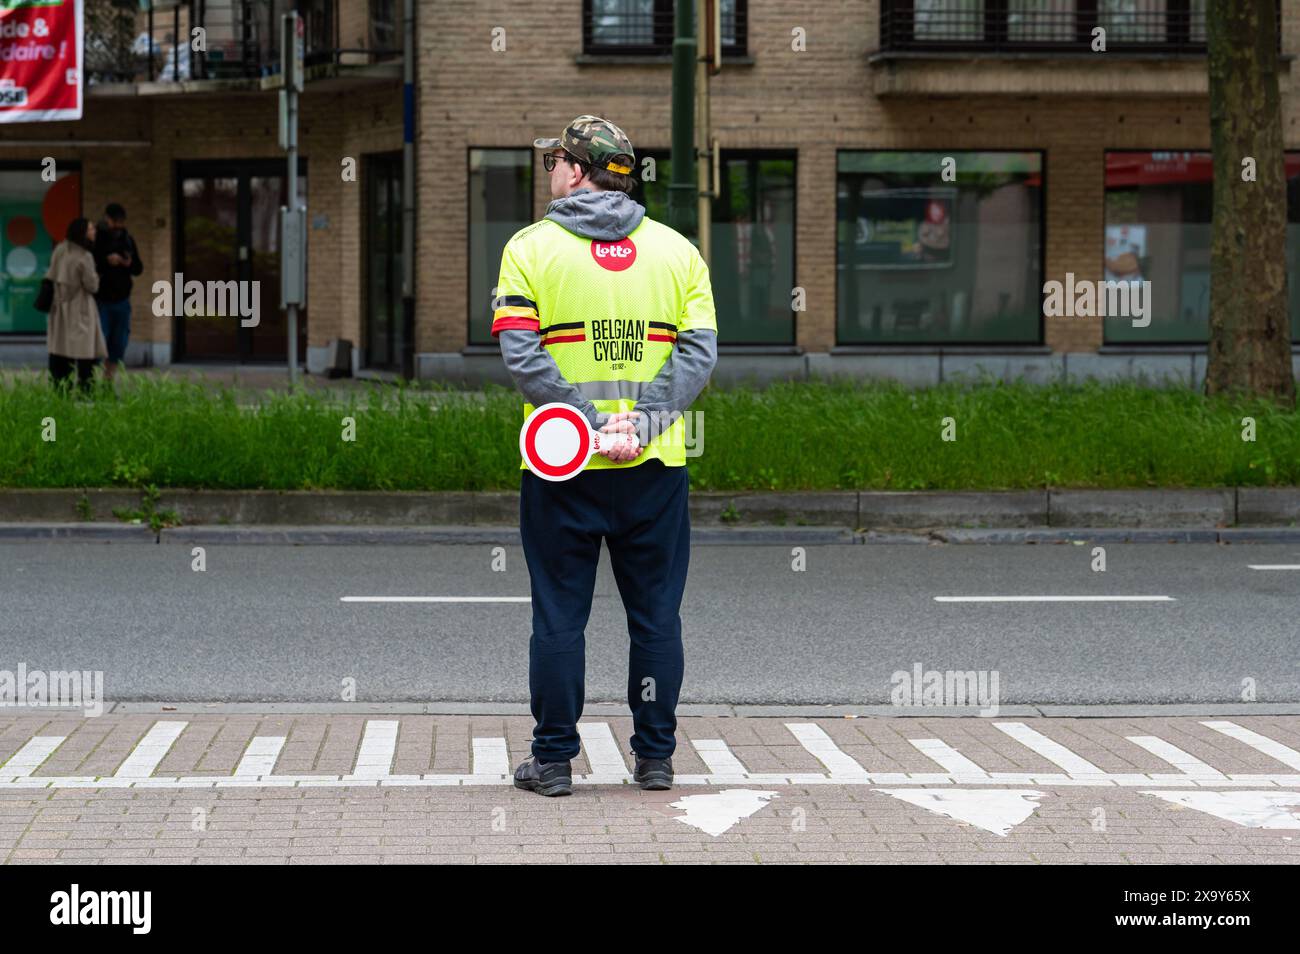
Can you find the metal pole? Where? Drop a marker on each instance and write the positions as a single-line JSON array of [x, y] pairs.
[[704, 12], [291, 110], [682, 188], [408, 189]]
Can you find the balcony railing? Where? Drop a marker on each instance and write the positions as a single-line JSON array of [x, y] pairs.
[[125, 43], [645, 27], [1008, 26]]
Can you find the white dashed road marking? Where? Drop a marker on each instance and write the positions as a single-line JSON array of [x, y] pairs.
[[1054, 599]]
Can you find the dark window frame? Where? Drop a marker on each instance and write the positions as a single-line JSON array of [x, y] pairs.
[[34, 166], [469, 224], [372, 164], [897, 26], [1101, 264], [662, 28], [956, 346], [748, 154]]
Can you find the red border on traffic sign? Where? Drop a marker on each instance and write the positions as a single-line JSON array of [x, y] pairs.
[[574, 416]]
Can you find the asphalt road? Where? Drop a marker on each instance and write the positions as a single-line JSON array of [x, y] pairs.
[[266, 623]]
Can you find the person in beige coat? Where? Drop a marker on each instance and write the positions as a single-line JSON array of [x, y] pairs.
[[74, 337]]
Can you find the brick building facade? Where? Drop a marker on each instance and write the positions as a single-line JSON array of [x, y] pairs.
[[833, 120]]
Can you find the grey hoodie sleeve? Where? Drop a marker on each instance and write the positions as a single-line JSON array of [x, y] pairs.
[[683, 376], [537, 376]]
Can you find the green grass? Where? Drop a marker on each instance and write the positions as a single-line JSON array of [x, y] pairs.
[[805, 436]]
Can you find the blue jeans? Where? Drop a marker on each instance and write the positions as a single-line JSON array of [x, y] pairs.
[[115, 322], [641, 513]]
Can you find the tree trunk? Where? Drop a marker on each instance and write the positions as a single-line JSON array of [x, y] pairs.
[[1250, 329]]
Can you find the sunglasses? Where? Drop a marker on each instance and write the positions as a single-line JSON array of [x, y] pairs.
[[549, 159]]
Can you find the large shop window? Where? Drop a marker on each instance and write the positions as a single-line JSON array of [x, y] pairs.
[[752, 267], [1158, 207], [924, 260], [34, 216], [500, 204]]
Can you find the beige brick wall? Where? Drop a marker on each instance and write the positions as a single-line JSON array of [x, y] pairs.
[[816, 101]]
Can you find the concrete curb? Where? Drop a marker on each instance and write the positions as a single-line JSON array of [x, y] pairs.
[[721, 710], [705, 536], [1156, 507]]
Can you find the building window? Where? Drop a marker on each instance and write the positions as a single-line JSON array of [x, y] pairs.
[[1158, 212], [752, 238], [646, 27], [500, 204], [383, 261], [921, 260], [1045, 25], [34, 217]]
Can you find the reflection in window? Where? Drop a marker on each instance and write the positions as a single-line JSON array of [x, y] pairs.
[[753, 242], [1158, 212], [500, 204], [922, 260]]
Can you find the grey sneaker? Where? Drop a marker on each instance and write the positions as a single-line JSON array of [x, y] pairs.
[[544, 778], [655, 775]]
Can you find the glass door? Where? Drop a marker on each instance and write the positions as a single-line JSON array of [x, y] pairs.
[[229, 231]]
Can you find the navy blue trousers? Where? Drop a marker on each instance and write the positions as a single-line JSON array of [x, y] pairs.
[[641, 513]]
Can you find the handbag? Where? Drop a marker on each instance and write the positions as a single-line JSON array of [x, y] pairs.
[[44, 297]]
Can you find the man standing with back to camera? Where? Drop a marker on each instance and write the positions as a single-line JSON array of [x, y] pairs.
[[611, 312]]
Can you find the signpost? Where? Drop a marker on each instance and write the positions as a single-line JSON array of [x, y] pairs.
[[293, 217]]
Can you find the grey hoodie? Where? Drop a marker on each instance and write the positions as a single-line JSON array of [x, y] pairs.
[[608, 217]]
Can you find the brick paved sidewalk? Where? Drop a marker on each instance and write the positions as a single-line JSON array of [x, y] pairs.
[[222, 788]]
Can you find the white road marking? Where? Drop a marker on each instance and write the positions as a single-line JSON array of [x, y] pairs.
[[259, 758], [813, 738], [718, 812], [1185, 762], [378, 744], [1252, 809], [1054, 599], [952, 761], [719, 759], [435, 599], [1054, 752], [1274, 566], [995, 810], [491, 757], [1260, 743], [31, 756], [150, 750], [490, 765], [603, 756]]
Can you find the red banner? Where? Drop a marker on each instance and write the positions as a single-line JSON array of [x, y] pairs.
[[41, 48]]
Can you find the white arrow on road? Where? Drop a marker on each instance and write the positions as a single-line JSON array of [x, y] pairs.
[[995, 810], [716, 813], [1252, 809]]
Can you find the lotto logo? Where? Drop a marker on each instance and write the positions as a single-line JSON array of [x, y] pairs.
[[614, 256]]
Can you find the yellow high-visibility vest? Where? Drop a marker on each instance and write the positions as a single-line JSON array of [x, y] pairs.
[[608, 313]]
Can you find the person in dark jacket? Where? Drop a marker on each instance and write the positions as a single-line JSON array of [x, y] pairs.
[[117, 260]]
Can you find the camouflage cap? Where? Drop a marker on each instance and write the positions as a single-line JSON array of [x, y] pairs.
[[596, 141]]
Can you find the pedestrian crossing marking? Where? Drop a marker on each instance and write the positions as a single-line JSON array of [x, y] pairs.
[[378, 745], [491, 765], [1054, 752], [150, 750], [260, 757], [491, 757], [31, 756], [1260, 743]]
